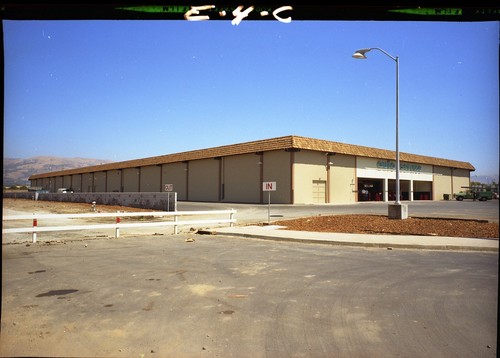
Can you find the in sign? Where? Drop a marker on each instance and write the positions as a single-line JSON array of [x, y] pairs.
[[269, 186], [169, 187]]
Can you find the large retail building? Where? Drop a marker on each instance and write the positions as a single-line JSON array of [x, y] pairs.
[[299, 170]]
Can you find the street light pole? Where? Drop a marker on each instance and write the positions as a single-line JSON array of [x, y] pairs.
[[398, 191], [361, 54]]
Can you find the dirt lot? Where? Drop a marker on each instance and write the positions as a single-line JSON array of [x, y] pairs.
[[369, 224], [55, 207]]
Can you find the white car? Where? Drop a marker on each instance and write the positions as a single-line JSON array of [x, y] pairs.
[[64, 190]]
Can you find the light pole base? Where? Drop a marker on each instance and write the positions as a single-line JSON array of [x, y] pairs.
[[398, 211]]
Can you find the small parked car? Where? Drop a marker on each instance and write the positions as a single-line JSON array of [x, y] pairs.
[[64, 190]]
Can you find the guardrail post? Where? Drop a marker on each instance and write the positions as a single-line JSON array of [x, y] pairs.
[[231, 217], [176, 231], [117, 229], [35, 224]]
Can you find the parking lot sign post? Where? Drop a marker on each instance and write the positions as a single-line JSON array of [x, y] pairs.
[[169, 188], [269, 186]]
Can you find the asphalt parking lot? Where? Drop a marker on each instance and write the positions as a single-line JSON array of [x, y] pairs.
[[166, 296], [250, 213]]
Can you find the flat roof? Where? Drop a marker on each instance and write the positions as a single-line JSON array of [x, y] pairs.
[[264, 145]]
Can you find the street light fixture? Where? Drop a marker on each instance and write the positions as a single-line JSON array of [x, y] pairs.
[[396, 211]]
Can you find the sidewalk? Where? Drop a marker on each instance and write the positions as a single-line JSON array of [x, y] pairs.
[[273, 232]]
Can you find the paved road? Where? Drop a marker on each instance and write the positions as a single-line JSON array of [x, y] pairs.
[[250, 213], [160, 296]]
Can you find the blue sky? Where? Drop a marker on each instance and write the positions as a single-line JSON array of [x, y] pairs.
[[125, 89]]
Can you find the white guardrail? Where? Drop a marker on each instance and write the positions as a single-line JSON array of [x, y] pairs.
[[118, 224]]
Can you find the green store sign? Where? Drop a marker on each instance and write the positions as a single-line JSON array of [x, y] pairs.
[[390, 165]]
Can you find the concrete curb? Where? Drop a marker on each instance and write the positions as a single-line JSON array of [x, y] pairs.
[[357, 241]]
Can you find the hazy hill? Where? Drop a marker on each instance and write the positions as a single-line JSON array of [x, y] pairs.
[[17, 171]]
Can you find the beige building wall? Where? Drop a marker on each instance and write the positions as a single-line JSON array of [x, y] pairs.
[[442, 182], [342, 179], [150, 178], [114, 181], [59, 183], [309, 173], [87, 182], [52, 185], [131, 180], [241, 178], [303, 176], [176, 174], [203, 180], [277, 168], [47, 183], [76, 180], [461, 177], [67, 181], [100, 182]]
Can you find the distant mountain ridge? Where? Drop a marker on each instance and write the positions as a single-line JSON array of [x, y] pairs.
[[16, 171]]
